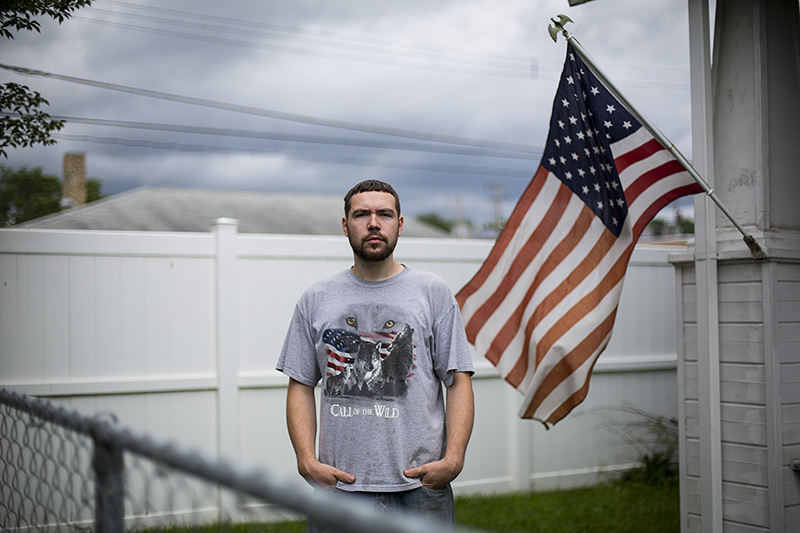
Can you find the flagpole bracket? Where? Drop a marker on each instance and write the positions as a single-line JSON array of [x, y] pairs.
[[558, 26]]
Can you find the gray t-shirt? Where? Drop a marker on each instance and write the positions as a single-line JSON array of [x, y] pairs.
[[382, 350]]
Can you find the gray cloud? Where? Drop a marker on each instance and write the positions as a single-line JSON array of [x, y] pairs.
[[450, 67]]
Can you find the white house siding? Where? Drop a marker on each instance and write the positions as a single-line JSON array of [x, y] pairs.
[[788, 340], [759, 347], [177, 335]]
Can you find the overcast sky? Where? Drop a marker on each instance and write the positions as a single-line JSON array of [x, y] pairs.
[[477, 69]]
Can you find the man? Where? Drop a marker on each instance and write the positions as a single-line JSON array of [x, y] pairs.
[[383, 338]]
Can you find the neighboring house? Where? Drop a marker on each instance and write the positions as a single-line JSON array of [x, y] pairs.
[[179, 209]]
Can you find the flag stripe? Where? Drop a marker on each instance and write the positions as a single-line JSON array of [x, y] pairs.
[[641, 152], [510, 328], [649, 178], [544, 199], [570, 318], [523, 258], [549, 383], [519, 213], [565, 366]]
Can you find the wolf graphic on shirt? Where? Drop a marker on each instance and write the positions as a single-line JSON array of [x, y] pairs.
[[375, 364]]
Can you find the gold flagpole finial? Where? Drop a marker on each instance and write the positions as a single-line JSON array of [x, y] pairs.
[[558, 26]]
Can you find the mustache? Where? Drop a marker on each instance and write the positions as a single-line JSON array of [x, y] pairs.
[[372, 236]]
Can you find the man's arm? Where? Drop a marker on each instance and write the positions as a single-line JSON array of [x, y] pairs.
[[301, 419], [459, 416]]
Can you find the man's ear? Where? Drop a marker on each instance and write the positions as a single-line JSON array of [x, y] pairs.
[[400, 226], [344, 226]]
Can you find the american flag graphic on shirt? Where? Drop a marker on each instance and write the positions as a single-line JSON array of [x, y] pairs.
[[374, 364]]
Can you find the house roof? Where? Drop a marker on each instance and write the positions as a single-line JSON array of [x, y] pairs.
[[177, 209]]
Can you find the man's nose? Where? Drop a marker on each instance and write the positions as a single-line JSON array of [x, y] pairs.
[[373, 221]]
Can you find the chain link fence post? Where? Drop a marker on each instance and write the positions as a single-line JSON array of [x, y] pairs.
[[109, 468]]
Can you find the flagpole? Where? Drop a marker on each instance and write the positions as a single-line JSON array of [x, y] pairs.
[[559, 24]]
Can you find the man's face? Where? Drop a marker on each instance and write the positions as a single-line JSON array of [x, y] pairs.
[[372, 225]]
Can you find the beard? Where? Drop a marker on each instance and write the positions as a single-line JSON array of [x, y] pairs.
[[365, 251]]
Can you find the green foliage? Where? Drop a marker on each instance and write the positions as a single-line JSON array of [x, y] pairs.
[[93, 190], [686, 226], [656, 439], [22, 123], [437, 221], [657, 226], [19, 14], [26, 194]]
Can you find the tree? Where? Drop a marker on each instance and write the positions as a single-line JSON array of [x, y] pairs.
[[93, 192], [22, 123], [26, 194], [437, 221]]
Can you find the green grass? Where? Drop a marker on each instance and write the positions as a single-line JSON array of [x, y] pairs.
[[614, 507]]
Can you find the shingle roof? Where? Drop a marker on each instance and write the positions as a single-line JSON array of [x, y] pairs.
[[177, 209]]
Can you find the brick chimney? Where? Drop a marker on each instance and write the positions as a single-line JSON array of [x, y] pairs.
[[73, 185]]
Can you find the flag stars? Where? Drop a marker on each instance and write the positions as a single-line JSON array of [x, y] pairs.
[[562, 159], [568, 175], [557, 143], [568, 139], [585, 189], [627, 124], [570, 80], [620, 202], [595, 91], [580, 135], [552, 161], [561, 124], [573, 120], [565, 102], [610, 108], [574, 156], [597, 187], [607, 123]]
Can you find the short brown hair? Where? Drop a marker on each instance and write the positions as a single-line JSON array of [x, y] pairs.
[[371, 186]]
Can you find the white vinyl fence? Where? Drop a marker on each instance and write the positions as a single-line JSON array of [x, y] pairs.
[[177, 335]]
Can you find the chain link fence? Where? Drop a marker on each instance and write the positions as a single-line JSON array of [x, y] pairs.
[[64, 471]]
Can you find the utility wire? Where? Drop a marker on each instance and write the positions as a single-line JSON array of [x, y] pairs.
[[505, 65], [360, 47], [319, 158], [488, 70], [281, 115], [330, 38], [297, 138]]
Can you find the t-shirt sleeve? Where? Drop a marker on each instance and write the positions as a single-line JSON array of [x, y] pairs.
[[451, 349], [298, 358]]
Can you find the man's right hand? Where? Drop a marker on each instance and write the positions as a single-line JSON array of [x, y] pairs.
[[325, 476]]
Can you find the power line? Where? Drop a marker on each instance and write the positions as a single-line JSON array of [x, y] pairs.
[[358, 56], [281, 115], [325, 45], [296, 138], [319, 158]]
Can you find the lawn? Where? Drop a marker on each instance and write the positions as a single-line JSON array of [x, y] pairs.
[[615, 507]]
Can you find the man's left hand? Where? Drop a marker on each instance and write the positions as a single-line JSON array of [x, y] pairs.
[[435, 475]]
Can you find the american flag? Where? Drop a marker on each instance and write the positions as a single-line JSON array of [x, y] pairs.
[[542, 306]]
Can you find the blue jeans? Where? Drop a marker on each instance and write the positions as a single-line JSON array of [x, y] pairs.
[[426, 503]]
